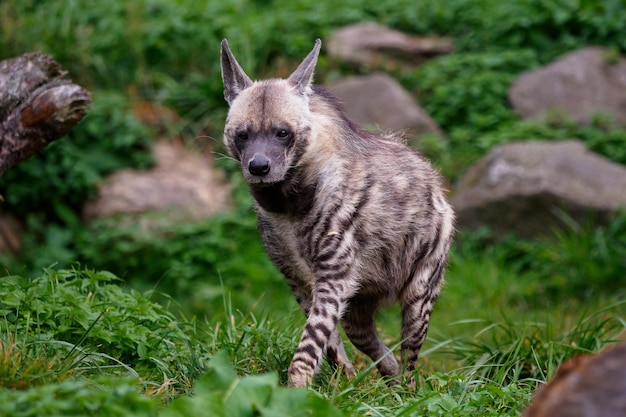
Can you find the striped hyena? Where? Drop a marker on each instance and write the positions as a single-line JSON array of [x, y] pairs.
[[353, 220]]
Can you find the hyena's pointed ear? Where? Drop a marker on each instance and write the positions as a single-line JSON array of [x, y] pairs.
[[302, 77], [234, 78]]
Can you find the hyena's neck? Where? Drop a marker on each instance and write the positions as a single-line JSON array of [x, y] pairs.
[[290, 197]]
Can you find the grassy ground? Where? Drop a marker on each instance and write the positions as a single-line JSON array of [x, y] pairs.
[[199, 309], [76, 335]]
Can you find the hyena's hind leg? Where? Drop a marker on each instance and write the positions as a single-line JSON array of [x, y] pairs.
[[417, 301], [358, 323]]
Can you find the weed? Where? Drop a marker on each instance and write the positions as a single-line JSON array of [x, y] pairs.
[[90, 325], [221, 393], [101, 396], [24, 365], [508, 351]]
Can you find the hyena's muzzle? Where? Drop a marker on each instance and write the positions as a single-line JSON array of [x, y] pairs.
[[263, 155], [259, 165]]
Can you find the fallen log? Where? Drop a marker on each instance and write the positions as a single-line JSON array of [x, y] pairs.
[[37, 106]]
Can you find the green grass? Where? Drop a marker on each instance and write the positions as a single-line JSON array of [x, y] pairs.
[[75, 334]]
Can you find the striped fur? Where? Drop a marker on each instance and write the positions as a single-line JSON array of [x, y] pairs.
[[354, 221]]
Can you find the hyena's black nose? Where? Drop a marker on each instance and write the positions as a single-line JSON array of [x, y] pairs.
[[259, 165]]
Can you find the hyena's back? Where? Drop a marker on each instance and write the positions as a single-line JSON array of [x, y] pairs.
[[353, 220]]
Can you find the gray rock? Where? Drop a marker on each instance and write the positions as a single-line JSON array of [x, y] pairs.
[[579, 85], [380, 101], [183, 186], [525, 187], [372, 45]]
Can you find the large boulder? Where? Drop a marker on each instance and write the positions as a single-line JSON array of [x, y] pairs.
[[526, 187], [585, 386], [183, 185], [380, 101], [579, 85], [371, 45]]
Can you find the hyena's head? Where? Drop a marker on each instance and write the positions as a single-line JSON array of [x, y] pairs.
[[268, 123]]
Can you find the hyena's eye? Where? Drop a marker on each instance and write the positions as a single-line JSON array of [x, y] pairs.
[[283, 133], [242, 136]]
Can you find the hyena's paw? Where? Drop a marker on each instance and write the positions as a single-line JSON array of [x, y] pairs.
[[338, 359], [348, 370], [345, 367], [393, 381], [300, 375], [410, 382], [388, 366]]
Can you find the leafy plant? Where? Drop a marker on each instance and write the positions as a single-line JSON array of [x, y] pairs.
[[102, 397], [53, 184], [195, 262], [469, 90], [221, 393], [602, 136], [466, 93], [96, 325], [257, 345]]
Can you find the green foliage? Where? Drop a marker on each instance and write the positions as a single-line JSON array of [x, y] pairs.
[[194, 262], [221, 393], [602, 136], [258, 345], [97, 325], [155, 44], [118, 43], [469, 90], [102, 397], [466, 94], [550, 28], [507, 351], [53, 184], [25, 365], [48, 190], [584, 261], [197, 262], [497, 366]]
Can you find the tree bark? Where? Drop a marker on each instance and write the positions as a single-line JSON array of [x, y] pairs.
[[37, 106]]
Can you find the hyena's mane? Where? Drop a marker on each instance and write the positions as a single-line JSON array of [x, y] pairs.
[[352, 134]]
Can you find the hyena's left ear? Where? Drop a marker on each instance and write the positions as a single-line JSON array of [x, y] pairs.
[[302, 77], [235, 79]]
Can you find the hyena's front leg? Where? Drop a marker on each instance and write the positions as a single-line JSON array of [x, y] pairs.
[[320, 333], [335, 351]]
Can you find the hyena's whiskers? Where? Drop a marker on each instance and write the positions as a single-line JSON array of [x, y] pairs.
[[200, 137], [352, 219], [220, 156]]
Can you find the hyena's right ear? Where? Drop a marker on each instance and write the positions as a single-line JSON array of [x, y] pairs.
[[234, 78], [302, 77]]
